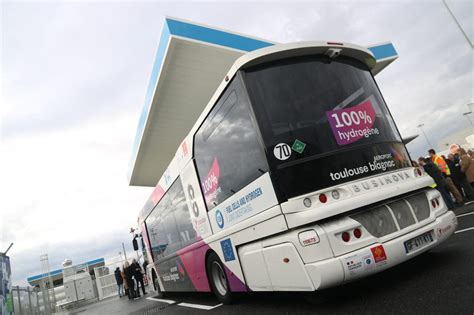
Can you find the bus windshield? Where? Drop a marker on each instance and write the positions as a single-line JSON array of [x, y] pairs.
[[323, 122]]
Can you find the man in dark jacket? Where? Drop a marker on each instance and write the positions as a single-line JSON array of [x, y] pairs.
[[459, 178], [437, 176], [138, 275], [119, 280], [131, 284]]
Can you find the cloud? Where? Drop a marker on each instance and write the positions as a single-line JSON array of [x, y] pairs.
[[79, 62], [68, 187]]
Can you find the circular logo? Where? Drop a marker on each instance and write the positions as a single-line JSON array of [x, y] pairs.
[[219, 219], [368, 261], [282, 151]]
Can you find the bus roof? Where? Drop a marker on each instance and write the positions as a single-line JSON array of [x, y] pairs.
[[190, 64]]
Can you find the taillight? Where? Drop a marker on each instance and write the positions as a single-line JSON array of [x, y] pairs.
[[435, 202], [323, 198], [418, 171], [357, 233], [346, 237]]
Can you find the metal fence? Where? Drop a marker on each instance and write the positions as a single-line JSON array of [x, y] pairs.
[[30, 301], [27, 301], [105, 280]]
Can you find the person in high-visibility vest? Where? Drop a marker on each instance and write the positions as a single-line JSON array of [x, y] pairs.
[[443, 167], [440, 182]]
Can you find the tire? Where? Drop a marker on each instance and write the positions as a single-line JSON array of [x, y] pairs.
[[218, 279]]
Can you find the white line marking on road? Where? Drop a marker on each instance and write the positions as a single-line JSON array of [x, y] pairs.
[[161, 300], [464, 214], [460, 231], [199, 306]]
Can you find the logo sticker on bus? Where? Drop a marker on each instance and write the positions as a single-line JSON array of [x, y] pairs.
[[298, 146], [368, 262], [210, 184], [352, 124], [379, 253], [184, 148], [219, 219], [227, 250], [282, 151]]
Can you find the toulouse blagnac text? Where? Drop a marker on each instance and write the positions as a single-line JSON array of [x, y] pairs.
[[377, 164]]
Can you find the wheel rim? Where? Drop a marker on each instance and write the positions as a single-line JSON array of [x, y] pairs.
[[219, 278]]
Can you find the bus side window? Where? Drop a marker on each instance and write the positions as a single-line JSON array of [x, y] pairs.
[[169, 224], [158, 241], [227, 150], [186, 233], [171, 230]]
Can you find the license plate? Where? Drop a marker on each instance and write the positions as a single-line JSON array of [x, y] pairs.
[[418, 242]]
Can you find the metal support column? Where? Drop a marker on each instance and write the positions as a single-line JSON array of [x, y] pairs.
[[19, 299], [29, 300]]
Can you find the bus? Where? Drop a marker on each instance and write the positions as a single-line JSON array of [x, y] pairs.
[[294, 178]]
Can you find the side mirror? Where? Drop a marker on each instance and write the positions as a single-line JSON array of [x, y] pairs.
[[135, 244]]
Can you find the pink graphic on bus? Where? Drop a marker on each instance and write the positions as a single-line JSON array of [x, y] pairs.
[[352, 124], [210, 184], [193, 258]]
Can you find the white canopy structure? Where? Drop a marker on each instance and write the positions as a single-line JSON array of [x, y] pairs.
[[190, 63]]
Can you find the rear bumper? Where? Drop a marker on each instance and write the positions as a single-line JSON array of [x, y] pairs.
[[378, 256]]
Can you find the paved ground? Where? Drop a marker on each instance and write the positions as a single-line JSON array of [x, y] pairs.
[[440, 281]]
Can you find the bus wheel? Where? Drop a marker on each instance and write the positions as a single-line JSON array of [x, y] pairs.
[[218, 279]]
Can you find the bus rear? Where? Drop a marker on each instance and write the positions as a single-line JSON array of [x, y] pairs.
[[353, 203]]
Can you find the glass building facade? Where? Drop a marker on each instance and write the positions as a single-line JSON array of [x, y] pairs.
[[5, 283]]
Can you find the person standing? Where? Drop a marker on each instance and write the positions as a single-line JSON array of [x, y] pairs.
[[125, 282], [440, 182], [138, 275], [459, 178], [119, 280], [443, 167], [131, 284], [467, 166]]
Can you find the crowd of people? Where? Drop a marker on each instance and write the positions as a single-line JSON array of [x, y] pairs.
[[130, 279], [453, 175]]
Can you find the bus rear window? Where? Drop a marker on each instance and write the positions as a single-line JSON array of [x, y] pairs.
[[319, 105], [319, 117]]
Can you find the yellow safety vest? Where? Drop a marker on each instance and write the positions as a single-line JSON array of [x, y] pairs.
[[441, 163]]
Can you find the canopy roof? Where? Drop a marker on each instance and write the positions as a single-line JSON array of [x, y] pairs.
[[58, 273], [190, 63]]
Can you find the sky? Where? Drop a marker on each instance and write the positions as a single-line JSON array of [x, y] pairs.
[[73, 82]]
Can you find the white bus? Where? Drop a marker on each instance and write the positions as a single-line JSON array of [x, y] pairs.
[[294, 178]]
